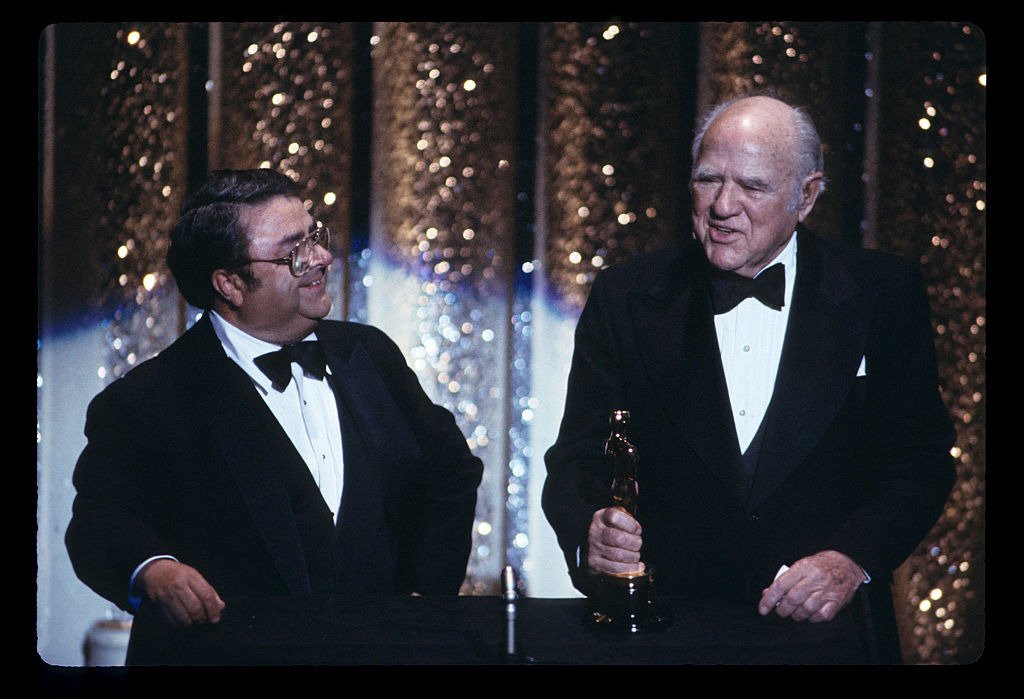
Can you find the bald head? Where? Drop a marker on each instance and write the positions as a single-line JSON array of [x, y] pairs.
[[788, 129]]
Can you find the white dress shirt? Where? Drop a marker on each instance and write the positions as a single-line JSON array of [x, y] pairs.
[[750, 338], [306, 409]]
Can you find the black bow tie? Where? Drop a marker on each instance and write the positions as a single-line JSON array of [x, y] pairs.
[[729, 288], [278, 365]]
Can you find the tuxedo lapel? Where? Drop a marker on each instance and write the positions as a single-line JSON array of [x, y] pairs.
[[376, 436], [376, 441], [676, 338], [252, 444], [825, 340]]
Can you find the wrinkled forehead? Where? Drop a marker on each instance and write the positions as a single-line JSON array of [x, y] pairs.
[[765, 160], [766, 148]]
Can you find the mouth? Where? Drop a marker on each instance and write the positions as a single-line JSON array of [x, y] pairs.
[[722, 234], [319, 279]]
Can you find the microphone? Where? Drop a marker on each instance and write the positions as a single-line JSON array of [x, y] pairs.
[[508, 593]]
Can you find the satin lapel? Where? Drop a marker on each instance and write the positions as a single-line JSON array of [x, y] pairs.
[[388, 440], [825, 340], [676, 338], [251, 443]]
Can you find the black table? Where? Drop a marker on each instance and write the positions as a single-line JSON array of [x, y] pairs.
[[468, 631]]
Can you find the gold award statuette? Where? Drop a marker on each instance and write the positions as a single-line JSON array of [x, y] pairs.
[[626, 601]]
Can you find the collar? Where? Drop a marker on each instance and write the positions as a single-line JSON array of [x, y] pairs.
[[787, 257], [243, 348]]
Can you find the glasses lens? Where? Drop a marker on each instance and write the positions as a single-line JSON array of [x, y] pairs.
[[302, 260]]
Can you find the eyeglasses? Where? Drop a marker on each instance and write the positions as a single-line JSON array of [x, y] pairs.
[[300, 259]]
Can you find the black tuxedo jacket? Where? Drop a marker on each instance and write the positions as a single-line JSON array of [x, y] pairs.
[[859, 464], [185, 458]]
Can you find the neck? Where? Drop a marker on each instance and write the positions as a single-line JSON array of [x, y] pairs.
[[277, 336]]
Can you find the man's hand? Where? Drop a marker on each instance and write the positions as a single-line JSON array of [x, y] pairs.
[[613, 542], [181, 593], [814, 588]]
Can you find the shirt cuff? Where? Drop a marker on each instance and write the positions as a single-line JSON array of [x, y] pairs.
[[134, 599]]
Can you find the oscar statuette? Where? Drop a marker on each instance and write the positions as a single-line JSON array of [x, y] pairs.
[[626, 602]]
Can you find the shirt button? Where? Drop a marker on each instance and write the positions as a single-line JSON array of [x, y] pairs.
[[746, 348], [743, 412]]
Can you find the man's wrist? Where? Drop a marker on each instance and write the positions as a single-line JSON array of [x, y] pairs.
[[134, 595]]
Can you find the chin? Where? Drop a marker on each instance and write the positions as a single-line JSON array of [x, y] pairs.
[[320, 314], [318, 311], [722, 259]]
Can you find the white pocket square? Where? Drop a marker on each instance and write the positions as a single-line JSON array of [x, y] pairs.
[[862, 369]]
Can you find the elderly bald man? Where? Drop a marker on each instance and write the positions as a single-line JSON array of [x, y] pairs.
[[783, 395]]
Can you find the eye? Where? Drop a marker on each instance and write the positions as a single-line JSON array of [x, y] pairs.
[[705, 180]]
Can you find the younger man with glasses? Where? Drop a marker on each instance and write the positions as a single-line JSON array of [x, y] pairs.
[[267, 452]]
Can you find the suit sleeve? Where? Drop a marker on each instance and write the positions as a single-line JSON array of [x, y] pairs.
[[909, 433], [440, 496], [111, 531], [578, 479]]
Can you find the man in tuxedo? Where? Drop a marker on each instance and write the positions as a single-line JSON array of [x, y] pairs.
[[267, 452], [798, 430]]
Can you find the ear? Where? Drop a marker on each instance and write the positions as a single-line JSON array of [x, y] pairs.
[[229, 286], [810, 188]]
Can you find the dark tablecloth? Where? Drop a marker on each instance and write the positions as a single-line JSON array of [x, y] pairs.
[[469, 630]]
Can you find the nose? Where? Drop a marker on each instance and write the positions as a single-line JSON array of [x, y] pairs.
[[725, 204], [322, 255]]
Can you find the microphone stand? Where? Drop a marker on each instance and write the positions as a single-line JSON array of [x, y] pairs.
[[510, 651]]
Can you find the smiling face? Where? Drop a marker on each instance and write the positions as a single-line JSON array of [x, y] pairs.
[[746, 191], [276, 307]]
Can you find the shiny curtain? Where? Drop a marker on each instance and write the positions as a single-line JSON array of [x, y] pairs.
[[932, 209], [441, 236]]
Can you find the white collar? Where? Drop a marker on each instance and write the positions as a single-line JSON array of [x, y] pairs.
[[243, 348], [787, 257]]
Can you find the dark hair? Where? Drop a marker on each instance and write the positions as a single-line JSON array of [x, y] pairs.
[[208, 236]]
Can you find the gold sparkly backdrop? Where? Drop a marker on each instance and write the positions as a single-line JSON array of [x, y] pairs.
[[444, 136], [901, 108], [615, 146], [119, 179], [933, 107]]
